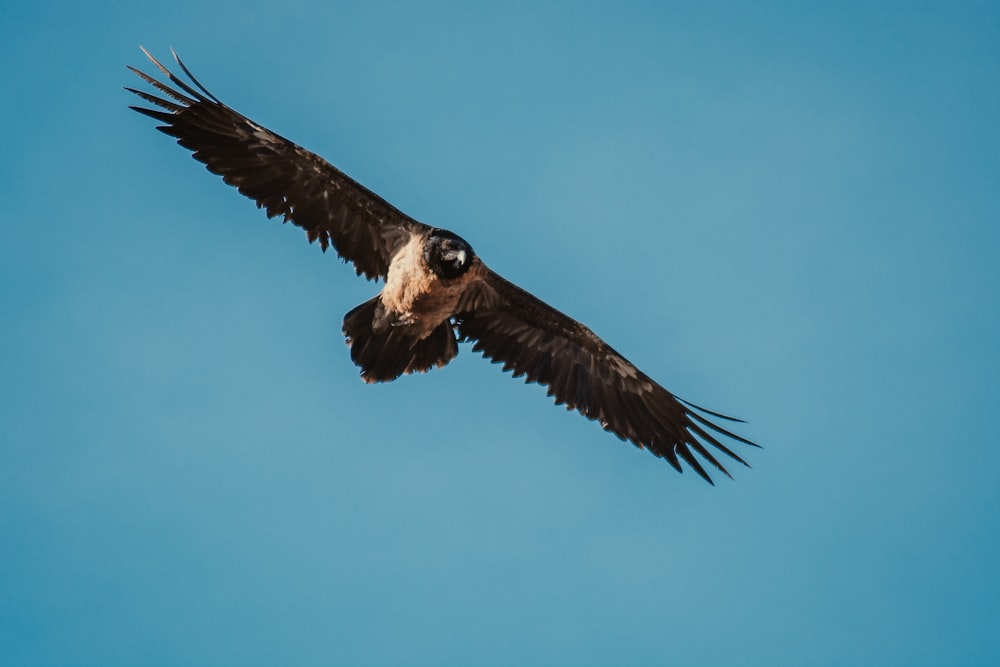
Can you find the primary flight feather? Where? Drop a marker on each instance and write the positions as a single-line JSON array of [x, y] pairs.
[[437, 290]]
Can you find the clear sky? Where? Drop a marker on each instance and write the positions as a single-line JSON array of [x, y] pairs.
[[785, 211]]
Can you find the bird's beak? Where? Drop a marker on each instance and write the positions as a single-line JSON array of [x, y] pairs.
[[452, 255]]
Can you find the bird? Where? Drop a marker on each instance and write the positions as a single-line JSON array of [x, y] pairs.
[[436, 291]]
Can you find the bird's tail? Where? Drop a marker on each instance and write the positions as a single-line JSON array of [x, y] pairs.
[[387, 353]]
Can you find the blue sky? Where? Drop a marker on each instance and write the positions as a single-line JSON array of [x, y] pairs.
[[789, 212]]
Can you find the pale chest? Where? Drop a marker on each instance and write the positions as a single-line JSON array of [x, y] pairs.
[[413, 295], [408, 278]]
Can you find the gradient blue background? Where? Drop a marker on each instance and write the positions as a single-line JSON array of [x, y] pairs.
[[784, 211]]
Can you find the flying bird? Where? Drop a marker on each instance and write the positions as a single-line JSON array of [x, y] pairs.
[[437, 292]]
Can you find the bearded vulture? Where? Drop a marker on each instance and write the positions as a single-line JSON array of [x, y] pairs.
[[437, 290]]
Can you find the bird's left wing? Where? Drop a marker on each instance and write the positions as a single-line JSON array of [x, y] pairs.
[[534, 340], [282, 177]]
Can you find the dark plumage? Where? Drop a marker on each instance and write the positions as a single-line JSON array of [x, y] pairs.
[[437, 291]]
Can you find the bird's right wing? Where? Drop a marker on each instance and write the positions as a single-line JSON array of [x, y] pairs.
[[282, 177], [534, 340]]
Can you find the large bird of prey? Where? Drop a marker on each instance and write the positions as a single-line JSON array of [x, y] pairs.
[[437, 291]]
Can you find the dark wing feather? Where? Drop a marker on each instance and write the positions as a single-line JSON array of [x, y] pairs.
[[534, 340], [282, 177]]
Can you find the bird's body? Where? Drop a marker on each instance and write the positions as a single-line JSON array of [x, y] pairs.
[[416, 297], [437, 290]]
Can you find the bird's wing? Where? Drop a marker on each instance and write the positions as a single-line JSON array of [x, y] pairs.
[[510, 326], [282, 177]]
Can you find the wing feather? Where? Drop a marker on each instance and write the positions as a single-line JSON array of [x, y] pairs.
[[530, 338], [283, 178]]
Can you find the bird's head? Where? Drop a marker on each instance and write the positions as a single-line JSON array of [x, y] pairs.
[[447, 254]]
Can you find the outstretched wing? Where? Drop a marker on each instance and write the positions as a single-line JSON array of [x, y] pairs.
[[282, 177], [533, 339]]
